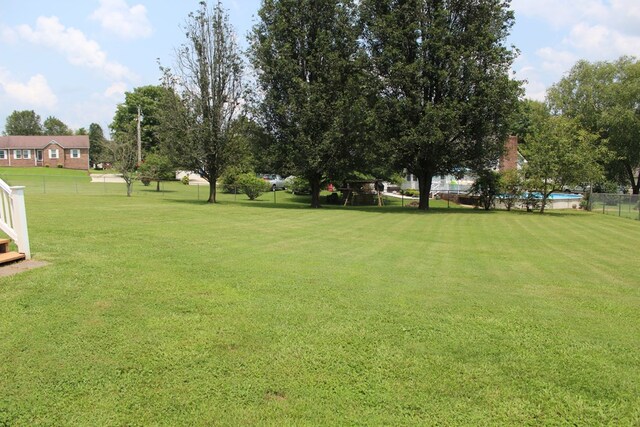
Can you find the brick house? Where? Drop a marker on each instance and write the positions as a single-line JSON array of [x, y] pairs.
[[72, 152]]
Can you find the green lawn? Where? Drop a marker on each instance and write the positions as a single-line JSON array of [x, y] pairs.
[[161, 310]]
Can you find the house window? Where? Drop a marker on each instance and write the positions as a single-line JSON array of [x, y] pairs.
[[17, 154], [3, 154], [75, 153], [26, 154], [53, 153]]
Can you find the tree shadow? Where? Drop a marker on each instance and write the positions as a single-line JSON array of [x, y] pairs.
[[303, 203]]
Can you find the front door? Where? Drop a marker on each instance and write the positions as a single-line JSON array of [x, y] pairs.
[[38, 157]]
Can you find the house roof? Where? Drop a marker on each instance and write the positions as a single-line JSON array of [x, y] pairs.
[[40, 142]]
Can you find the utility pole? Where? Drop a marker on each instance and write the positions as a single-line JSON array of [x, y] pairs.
[[139, 137]]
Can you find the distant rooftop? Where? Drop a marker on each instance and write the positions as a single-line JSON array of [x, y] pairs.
[[39, 142]]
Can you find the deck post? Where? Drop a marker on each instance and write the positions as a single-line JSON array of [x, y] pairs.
[[20, 221]]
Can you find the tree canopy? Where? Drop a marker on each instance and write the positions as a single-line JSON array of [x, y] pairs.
[[55, 126], [25, 122], [603, 98], [560, 153], [444, 87], [308, 60], [96, 143], [206, 93], [147, 100]]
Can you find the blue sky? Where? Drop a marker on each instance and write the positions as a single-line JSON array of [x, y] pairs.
[[75, 59]]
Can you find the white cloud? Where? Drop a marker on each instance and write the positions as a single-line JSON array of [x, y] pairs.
[[116, 90], [77, 48], [124, 21], [601, 42], [561, 13], [556, 61], [593, 30], [7, 35], [35, 92]]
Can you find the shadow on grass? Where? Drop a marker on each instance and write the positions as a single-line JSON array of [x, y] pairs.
[[303, 202]]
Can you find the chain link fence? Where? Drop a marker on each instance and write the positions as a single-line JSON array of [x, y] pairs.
[[101, 185], [622, 205]]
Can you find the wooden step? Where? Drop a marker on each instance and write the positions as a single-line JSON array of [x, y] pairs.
[[8, 257], [4, 245]]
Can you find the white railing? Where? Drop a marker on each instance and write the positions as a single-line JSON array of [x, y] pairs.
[[13, 216]]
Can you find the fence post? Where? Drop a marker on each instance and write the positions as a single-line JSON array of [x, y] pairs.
[[20, 220], [619, 205]]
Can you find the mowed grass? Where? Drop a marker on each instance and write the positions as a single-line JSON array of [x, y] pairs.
[[162, 310]]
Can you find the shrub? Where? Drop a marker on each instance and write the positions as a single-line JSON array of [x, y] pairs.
[[297, 185], [229, 180], [410, 192], [185, 180], [486, 187], [510, 188], [61, 166], [252, 186], [155, 167]]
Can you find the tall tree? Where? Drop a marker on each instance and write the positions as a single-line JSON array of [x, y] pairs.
[[96, 143], [122, 153], [206, 91], [309, 74], [55, 126], [25, 122], [443, 73], [146, 100], [604, 98], [560, 153]]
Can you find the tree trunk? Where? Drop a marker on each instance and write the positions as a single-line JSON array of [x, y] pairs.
[[212, 191], [158, 185], [129, 188], [424, 182], [635, 184], [315, 192], [544, 203]]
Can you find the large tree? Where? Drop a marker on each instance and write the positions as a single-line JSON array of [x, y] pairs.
[[25, 122], [96, 143], [147, 101], [308, 60], [55, 126], [443, 72], [604, 98], [560, 153], [206, 95]]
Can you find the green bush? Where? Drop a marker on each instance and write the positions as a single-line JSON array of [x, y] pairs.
[[185, 180], [60, 166], [410, 192], [252, 186], [230, 180], [297, 185], [486, 187]]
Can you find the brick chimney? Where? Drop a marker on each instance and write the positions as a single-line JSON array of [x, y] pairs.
[[509, 159]]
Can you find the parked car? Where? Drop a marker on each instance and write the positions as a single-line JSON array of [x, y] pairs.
[[275, 180]]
